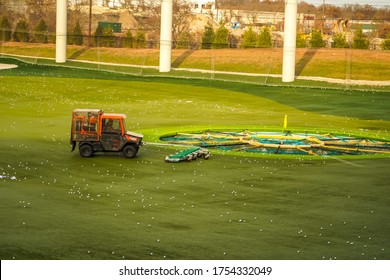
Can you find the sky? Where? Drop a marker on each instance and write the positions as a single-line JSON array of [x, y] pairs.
[[374, 3]]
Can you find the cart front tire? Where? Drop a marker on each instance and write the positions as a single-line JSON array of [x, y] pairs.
[[130, 151], [86, 151]]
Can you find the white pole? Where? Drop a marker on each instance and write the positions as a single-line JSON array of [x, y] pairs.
[[289, 45], [166, 35], [61, 25]]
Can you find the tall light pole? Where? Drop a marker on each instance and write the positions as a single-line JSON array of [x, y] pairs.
[[90, 24], [289, 44], [61, 32], [166, 35]]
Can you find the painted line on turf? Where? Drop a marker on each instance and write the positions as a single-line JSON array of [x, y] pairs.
[[348, 162]]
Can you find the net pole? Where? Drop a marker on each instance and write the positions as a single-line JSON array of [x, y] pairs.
[[61, 33], [166, 35], [289, 44]]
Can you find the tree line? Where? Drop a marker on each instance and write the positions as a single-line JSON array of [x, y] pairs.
[[213, 38], [351, 11], [38, 25]]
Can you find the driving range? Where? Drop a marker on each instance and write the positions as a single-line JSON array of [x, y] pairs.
[[235, 205]]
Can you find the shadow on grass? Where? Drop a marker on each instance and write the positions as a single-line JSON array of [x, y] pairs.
[[302, 63], [180, 59], [78, 53]]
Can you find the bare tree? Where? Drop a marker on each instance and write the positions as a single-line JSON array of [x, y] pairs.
[[3, 7], [127, 4], [78, 17], [150, 22], [182, 18], [181, 23], [41, 9]]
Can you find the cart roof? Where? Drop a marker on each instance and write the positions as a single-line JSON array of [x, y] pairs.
[[88, 110], [99, 111], [113, 116]]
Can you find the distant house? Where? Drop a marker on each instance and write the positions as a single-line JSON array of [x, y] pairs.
[[367, 26], [202, 6], [111, 3]]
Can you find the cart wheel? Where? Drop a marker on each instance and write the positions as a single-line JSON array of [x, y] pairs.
[[130, 151], [86, 151], [206, 156]]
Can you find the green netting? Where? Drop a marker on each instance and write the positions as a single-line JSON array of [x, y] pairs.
[[281, 143]]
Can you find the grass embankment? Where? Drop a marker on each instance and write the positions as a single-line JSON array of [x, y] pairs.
[[62, 206], [330, 63]]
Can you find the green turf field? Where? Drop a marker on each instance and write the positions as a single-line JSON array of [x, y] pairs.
[[56, 205]]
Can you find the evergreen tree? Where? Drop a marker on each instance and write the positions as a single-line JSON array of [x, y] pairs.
[[233, 41], [339, 41], [316, 40], [140, 39], [21, 33], [208, 36], [184, 41], [264, 40], [300, 41], [98, 36], [360, 40], [108, 39], [77, 35], [5, 29], [249, 38], [40, 35], [128, 40], [386, 43], [221, 38], [104, 37]]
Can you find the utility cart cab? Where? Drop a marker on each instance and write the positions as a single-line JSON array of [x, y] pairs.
[[96, 131]]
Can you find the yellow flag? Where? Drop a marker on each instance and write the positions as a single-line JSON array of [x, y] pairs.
[[285, 122]]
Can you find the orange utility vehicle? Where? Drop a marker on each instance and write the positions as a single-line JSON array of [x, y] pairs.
[[96, 131]]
